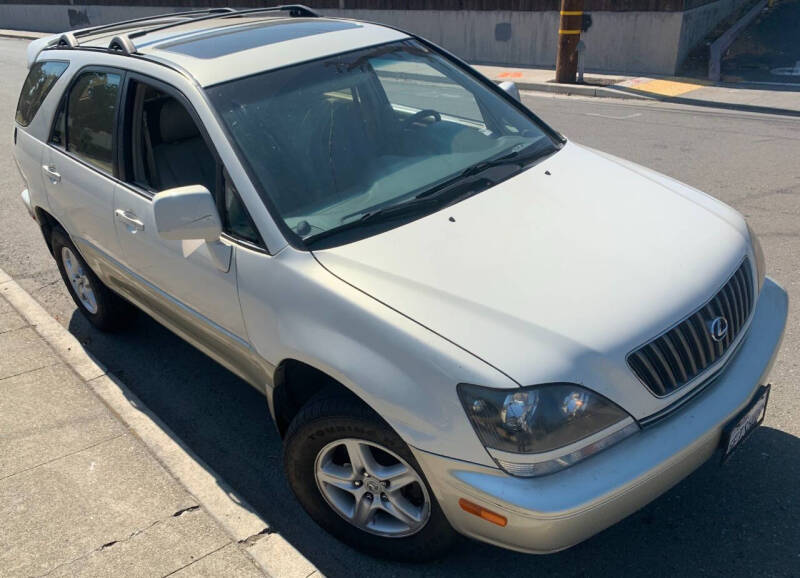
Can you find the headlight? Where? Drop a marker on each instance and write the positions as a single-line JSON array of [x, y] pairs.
[[758, 251], [539, 430]]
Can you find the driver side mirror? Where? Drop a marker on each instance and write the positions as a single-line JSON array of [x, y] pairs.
[[188, 213], [511, 89]]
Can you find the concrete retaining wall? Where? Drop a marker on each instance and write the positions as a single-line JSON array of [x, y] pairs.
[[626, 42]]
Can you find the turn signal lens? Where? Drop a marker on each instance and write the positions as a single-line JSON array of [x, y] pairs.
[[482, 512]]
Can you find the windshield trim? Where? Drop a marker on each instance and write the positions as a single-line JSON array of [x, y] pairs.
[[289, 235]]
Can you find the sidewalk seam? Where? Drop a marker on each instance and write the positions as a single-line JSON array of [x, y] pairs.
[[232, 512], [206, 555], [67, 455]]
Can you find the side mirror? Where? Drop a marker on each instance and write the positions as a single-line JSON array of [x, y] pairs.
[[187, 213], [511, 89]]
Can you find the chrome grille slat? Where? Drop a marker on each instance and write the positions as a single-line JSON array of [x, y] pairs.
[[664, 365], [727, 313], [730, 301], [740, 285], [687, 350]]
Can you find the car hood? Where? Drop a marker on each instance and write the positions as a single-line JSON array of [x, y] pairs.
[[557, 273]]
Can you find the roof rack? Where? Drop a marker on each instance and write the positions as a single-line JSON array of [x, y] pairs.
[[124, 44], [295, 10], [113, 25]]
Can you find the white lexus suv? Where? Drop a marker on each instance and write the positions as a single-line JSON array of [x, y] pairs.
[[462, 322]]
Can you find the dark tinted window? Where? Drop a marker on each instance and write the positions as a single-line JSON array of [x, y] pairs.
[[91, 110], [40, 80], [237, 220]]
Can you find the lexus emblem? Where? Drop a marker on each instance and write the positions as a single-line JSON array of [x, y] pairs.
[[718, 328]]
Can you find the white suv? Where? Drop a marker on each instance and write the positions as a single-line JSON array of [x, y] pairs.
[[463, 323]]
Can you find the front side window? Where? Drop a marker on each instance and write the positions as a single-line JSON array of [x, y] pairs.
[[86, 128], [164, 149], [40, 80], [356, 143]]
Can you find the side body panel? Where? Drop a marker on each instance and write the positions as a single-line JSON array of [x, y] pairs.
[[182, 269], [82, 200], [29, 153], [295, 309]]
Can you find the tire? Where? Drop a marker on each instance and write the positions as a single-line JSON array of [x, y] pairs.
[[324, 422], [105, 309]]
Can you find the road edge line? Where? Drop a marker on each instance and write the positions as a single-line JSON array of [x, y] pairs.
[[271, 552]]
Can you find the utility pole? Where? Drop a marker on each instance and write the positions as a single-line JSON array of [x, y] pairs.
[[569, 34]]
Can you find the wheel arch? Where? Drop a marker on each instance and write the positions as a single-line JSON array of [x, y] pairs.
[[295, 382], [47, 223]]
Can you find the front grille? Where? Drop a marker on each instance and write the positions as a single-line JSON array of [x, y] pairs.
[[674, 359]]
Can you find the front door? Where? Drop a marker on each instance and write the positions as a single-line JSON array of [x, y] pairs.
[[177, 281]]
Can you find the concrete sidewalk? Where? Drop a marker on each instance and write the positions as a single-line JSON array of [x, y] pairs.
[[80, 494], [760, 98]]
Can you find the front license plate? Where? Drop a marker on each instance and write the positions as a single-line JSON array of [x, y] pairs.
[[740, 427]]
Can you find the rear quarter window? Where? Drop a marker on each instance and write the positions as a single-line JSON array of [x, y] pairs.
[[41, 78]]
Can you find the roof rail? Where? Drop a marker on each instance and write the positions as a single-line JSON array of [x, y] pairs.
[[123, 42], [67, 40], [113, 25], [295, 10]]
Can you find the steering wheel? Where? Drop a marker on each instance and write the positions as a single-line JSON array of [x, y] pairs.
[[425, 113]]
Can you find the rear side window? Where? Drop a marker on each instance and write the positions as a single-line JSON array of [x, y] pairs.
[[88, 130], [40, 80]]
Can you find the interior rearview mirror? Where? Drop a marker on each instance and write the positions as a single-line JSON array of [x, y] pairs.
[[510, 88], [187, 213]]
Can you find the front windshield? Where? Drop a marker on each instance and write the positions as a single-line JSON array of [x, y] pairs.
[[333, 142]]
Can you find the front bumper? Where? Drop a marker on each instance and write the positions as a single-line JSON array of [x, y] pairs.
[[554, 512]]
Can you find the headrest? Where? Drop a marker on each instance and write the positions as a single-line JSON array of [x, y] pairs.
[[175, 122]]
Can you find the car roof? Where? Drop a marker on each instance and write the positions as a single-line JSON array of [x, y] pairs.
[[218, 49]]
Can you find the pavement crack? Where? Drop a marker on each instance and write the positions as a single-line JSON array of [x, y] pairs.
[[112, 543], [250, 540], [184, 510]]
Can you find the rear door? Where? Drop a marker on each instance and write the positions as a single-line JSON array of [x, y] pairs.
[[78, 165], [28, 139]]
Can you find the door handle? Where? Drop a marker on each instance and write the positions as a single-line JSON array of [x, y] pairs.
[[51, 173], [130, 220]]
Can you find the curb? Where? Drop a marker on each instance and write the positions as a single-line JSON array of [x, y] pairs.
[[23, 34], [271, 552], [580, 90]]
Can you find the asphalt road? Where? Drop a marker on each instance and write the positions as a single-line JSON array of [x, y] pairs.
[[739, 520]]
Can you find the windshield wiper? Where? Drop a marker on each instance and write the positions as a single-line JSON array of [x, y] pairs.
[[452, 190], [515, 157], [389, 213]]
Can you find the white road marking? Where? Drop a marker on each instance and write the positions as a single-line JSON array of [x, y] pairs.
[[612, 117]]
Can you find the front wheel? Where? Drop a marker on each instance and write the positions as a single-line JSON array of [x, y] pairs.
[[357, 479]]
